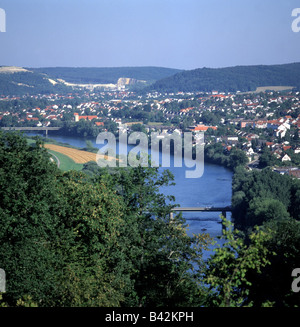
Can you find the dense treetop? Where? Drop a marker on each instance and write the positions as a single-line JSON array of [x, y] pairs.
[[105, 75], [104, 237], [230, 79]]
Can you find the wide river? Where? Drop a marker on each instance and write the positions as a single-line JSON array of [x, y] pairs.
[[212, 189]]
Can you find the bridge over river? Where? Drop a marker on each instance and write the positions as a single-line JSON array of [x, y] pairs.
[[32, 129], [223, 210]]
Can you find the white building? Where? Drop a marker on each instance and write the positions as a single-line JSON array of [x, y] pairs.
[[285, 158]]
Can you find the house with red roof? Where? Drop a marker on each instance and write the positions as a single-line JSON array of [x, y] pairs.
[[203, 128], [286, 147], [77, 117]]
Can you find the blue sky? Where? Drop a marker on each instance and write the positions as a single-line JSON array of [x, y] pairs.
[[185, 34]]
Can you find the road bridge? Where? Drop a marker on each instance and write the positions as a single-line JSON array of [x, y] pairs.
[[223, 210], [32, 129]]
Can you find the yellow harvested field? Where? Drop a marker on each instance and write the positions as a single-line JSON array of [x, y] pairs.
[[77, 156]]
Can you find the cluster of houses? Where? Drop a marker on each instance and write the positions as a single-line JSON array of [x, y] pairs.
[[254, 110], [276, 148], [280, 126]]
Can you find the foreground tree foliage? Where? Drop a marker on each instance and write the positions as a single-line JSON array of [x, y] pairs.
[[214, 153], [57, 232], [260, 196], [101, 239], [271, 201], [94, 214], [273, 285], [164, 261], [104, 237], [228, 270]]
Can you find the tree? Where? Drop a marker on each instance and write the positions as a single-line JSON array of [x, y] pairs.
[[294, 208], [296, 136], [258, 195], [265, 209], [110, 126], [161, 257], [274, 283], [29, 220], [267, 159], [94, 213], [138, 128], [237, 158], [99, 239], [228, 269], [8, 121], [59, 232]]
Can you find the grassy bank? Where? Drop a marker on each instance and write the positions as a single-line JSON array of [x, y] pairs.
[[64, 162]]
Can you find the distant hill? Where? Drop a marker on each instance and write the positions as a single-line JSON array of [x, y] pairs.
[[230, 79], [19, 81], [106, 75]]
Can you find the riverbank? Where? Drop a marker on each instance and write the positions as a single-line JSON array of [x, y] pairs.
[[214, 188], [89, 145]]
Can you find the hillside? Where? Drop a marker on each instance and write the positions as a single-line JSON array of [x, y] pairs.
[[106, 75], [231, 79], [18, 81]]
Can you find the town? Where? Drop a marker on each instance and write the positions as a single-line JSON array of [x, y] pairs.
[[264, 125]]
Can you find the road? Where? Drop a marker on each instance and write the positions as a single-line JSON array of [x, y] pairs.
[[253, 164], [58, 161]]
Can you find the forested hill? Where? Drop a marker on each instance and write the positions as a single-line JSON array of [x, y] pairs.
[[16, 81], [106, 75], [19, 81], [231, 79]]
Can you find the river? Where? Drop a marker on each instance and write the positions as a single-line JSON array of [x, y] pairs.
[[212, 189]]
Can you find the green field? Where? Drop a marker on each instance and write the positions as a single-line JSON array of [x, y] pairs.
[[30, 141], [273, 88], [155, 123], [64, 162]]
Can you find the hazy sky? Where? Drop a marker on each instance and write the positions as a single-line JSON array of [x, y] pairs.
[[184, 34]]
